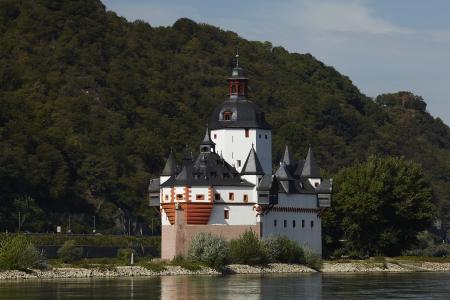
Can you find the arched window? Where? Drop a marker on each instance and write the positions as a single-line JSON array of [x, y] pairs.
[[227, 115]]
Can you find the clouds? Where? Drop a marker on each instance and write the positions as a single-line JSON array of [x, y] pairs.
[[381, 46]]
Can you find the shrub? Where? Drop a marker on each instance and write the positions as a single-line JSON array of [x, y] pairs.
[[155, 266], [69, 252], [442, 250], [312, 260], [282, 249], [247, 249], [209, 249], [18, 253], [186, 264], [124, 255]]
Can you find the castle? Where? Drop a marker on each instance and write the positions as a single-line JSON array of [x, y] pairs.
[[230, 186]]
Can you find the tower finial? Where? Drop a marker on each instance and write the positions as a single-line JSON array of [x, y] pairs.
[[237, 57]]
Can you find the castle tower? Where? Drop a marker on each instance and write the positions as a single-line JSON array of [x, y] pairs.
[[238, 123]]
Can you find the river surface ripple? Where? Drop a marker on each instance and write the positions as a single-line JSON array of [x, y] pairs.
[[248, 287]]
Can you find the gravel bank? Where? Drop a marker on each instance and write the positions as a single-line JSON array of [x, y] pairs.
[[328, 267], [398, 266], [140, 271]]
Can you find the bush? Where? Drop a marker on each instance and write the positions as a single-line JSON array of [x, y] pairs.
[[442, 250], [155, 266], [282, 249], [248, 249], [124, 255], [69, 252], [18, 253], [312, 260], [209, 249], [186, 264]]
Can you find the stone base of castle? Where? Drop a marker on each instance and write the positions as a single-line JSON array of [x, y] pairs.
[[175, 239]]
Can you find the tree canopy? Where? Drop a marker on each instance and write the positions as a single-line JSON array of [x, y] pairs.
[[379, 206], [90, 105]]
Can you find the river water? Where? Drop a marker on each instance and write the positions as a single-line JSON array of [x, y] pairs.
[[248, 287]]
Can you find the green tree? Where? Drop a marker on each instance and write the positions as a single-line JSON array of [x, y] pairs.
[[379, 206]]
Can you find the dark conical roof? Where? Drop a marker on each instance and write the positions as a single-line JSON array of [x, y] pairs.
[[283, 173], [310, 169], [287, 158], [171, 165], [252, 166], [207, 139], [299, 169]]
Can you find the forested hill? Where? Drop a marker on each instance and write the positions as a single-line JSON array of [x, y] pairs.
[[90, 104]]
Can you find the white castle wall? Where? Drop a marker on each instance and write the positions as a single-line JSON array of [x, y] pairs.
[[234, 146], [241, 214], [310, 236]]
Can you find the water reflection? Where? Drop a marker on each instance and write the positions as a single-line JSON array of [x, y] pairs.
[[248, 287]]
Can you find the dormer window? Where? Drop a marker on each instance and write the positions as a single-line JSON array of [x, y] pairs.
[[227, 115]]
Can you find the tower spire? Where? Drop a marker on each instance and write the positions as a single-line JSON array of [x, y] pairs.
[[237, 83]]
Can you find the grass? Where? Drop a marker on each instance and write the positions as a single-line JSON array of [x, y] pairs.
[[155, 266], [186, 264]]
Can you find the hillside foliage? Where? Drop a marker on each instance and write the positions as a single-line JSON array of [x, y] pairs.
[[90, 105]]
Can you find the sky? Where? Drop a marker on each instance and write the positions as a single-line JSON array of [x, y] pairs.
[[383, 46]]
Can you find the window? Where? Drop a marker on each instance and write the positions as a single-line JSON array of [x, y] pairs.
[[239, 163], [231, 196], [217, 196], [245, 198], [215, 136], [316, 184], [179, 196], [303, 223], [227, 115], [200, 197], [285, 223], [167, 197], [293, 223], [226, 214], [259, 136], [274, 223], [265, 136], [247, 132], [312, 224]]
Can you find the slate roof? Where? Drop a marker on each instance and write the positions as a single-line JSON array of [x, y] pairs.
[[310, 168], [171, 165], [252, 166], [153, 187], [299, 169], [326, 186], [208, 169], [207, 139], [245, 114], [265, 183], [287, 157], [283, 173]]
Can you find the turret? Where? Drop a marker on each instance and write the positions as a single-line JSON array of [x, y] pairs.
[[310, 169], [169, 168], [238, 123], [207, 146], [252, 170]]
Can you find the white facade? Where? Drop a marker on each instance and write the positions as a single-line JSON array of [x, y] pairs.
[[234, 144], [295, 217]]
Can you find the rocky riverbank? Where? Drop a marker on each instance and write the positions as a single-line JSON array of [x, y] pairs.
[[132, 271], [387, 266]]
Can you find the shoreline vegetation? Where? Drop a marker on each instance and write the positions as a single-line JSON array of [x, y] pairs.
[[208, 255], [159, 268]]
